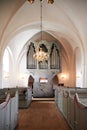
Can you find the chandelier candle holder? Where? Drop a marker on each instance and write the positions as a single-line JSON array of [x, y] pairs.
[[49, 1], [40, 55]]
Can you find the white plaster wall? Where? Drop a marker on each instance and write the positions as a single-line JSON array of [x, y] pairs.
[[79, 69], [9, 76]]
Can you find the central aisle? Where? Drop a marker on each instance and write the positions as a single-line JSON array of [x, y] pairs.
[[41, 115]]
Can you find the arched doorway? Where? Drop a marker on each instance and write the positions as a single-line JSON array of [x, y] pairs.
[[30, 82]]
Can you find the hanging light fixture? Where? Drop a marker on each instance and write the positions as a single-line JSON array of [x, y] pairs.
[[31, 1], [50, 1], [40, 54]]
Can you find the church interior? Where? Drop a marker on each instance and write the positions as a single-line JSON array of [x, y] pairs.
[[43, 64]]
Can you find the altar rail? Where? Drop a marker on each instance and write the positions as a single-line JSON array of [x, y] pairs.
[[72, 102]]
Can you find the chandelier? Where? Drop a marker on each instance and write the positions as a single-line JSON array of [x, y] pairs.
[[41, 55]]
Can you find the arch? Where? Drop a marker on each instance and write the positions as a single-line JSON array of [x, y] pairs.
[[30, 81], [55, 80], [10, 57], [7, 68]]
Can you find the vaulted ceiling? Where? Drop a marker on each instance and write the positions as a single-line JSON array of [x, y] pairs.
[[64, 21]]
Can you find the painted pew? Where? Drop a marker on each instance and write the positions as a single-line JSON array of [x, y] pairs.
[[9, 112]]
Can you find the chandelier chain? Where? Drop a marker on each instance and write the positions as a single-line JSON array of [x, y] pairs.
[[41, 20], [41, 55]]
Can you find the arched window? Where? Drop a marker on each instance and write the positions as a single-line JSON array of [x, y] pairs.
[[6, 61]]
